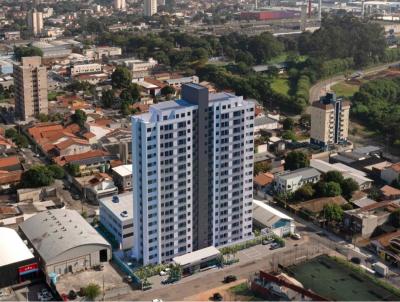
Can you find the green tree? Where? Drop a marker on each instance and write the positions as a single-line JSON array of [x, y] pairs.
[[79, 117], [36, 176], [167, 90], [26, 51], [261, 167], [72, 169], [289, 135], [92, 291], [349, 186], [333, 212], [56, 171], [306, 192], [11, 133], [107, 98], [121, 77], [21, 141], [296, 160], [131, 94], [332, 189], [334, 176], [288, 123]]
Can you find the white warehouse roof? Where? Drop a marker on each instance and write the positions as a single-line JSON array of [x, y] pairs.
[[12, 248]]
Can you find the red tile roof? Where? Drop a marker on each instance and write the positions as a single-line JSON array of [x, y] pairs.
[[69, 142], [9, 161], [62, 160], [264, 179], [88, 135], [390, 191], [10, 177], [102, 122]]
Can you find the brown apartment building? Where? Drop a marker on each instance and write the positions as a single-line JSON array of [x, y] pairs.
[[30, 82]]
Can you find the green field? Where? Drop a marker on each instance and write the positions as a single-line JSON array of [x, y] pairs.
[[281, 85], [336, 281], [344, 89]]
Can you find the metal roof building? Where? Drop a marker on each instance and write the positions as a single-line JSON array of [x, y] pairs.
[[64, 241], [16, 260]]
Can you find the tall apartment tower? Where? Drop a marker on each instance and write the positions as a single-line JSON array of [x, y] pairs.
[[30, 84], [119, 4], [329, 121], [150, 7], [193, 174], [35, 22]]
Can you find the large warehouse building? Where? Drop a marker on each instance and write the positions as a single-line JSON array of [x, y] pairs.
[[65, 242], [17, 262]]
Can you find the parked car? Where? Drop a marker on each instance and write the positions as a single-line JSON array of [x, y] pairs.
[[76, 197], [127, 278], [275, 246], [230, 278], [72, 295], [356, 260], [217, 297], [163, 273], [266, 241], [296, 236]]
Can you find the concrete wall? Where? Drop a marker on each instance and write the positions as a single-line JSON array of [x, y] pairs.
[[75, 261]]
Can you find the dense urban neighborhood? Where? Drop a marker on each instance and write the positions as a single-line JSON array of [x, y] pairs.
[[170, 150]]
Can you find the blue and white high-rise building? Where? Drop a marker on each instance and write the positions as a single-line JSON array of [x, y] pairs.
[[192, 174]]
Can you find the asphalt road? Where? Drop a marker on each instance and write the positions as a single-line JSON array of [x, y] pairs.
[[207, 280], [322, 87]]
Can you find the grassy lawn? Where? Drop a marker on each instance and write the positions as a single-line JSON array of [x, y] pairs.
[[344, 89], [243, 293], [281, 85], [283, 58]]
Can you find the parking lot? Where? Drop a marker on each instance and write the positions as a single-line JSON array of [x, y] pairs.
[[33, 292], [109, 279]]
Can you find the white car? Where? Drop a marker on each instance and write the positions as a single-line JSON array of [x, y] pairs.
[[163, 273], [296, 236], [157, 300]]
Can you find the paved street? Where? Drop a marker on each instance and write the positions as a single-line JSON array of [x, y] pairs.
[[252, 260]]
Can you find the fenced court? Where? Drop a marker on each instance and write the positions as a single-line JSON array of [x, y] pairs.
[[336, 281]]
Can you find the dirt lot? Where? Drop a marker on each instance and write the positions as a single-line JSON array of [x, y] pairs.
[[223, 290]]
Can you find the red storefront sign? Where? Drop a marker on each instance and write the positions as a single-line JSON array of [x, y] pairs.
[[30, 268]]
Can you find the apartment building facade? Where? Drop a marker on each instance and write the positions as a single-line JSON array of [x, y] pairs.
[[329, 121], [150, 7], [193, 174], [30, 84], [35, 22], [119, 4]]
